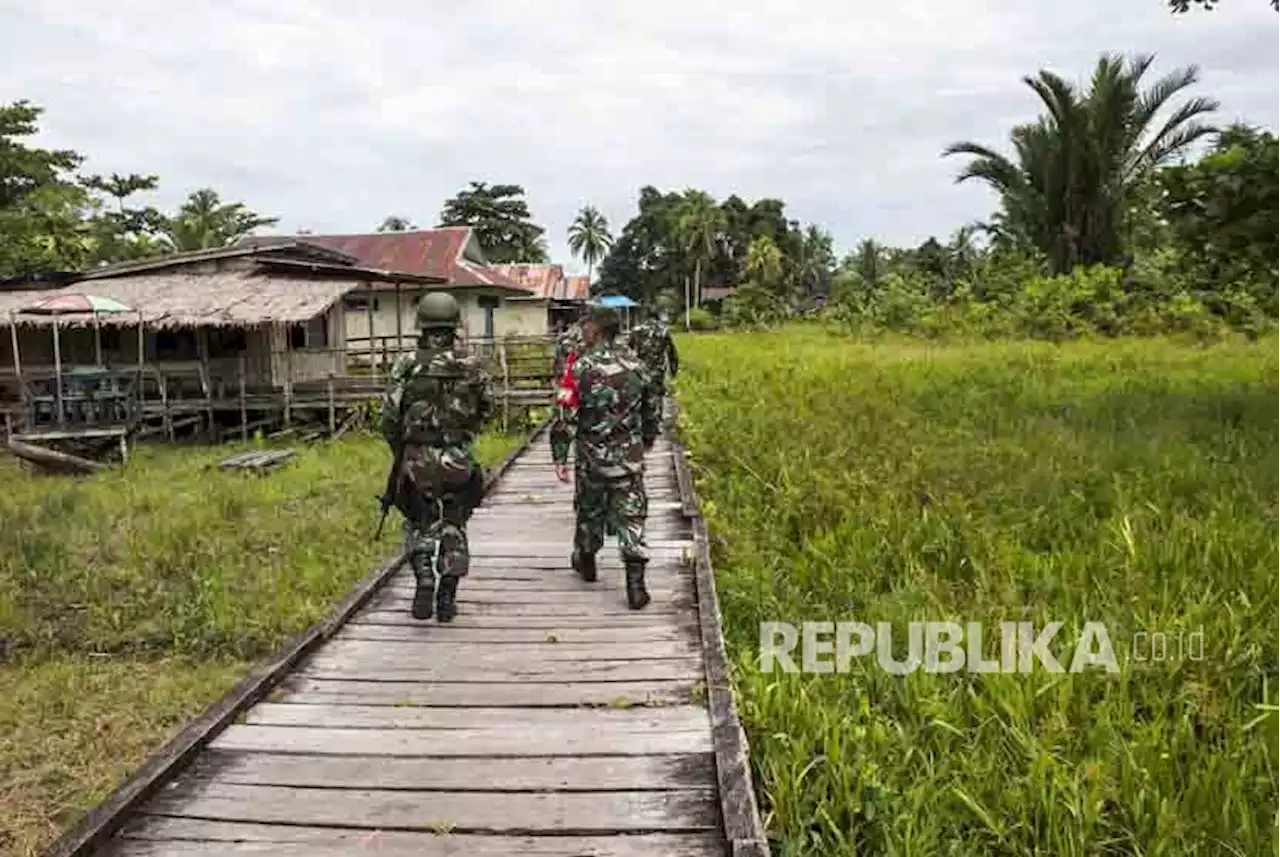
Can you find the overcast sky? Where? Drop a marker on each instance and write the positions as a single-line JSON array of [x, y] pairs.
[[332, 118]]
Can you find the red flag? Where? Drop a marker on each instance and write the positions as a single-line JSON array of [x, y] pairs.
[[567, 389]]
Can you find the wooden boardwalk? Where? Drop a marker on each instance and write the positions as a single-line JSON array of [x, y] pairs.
[[547, 719]]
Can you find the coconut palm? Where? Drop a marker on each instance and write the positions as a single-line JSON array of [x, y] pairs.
[[589, 237], [204, 222], [1065, 191], [700, 224]]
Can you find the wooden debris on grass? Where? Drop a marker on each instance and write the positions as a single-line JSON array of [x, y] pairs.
[[258, 461]]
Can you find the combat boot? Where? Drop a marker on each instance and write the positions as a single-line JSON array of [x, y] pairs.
[[585, 565], [637, 595], [447, 599], [424, 595]]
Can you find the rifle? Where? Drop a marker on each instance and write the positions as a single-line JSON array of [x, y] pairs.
[[389, 493]]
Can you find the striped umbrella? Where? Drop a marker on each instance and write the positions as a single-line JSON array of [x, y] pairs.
[[58, 304]]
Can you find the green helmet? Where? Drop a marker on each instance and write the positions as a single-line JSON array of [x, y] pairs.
[[437, 310]]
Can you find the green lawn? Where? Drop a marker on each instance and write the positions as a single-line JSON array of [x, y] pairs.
[[131, 600], [1132, 483]]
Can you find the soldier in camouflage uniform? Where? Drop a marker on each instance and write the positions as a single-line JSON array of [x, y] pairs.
[[651, 341], [568, 342], [437, 401], [606, 410]]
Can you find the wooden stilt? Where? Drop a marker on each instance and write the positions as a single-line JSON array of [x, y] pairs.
[[97, 339], [57, 373], [372, 348], [164, 407], [506, 384], [206, 381], [333, 412], [399, 326], [142, 382], [288, 378], [244, 411]]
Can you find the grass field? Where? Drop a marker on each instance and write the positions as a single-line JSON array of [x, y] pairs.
[[131, 600], [1132, 483]]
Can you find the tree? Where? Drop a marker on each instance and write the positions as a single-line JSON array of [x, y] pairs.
[[501, 220], [395, 223], [1066, 191], [700, 224], [204, 222], [1222, 213], [126, 233], [589, 237]]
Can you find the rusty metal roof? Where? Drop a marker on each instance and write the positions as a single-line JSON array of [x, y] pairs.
[[577, 287], [543, 281], [431, 252]]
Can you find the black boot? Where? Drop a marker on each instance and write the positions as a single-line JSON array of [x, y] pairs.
[[424, 595], [446, 599], [637, 595], [585, 565]]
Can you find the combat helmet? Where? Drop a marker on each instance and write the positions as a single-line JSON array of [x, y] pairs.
[[437, 310]]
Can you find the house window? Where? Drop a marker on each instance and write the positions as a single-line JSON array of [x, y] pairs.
[[297, 336], [488, 303], [318, 333], [359, 303]]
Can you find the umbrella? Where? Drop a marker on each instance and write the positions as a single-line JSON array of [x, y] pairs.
[[56, 305]]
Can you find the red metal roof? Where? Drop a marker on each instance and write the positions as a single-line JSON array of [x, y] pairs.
[[434, 252], [577, 287], [544, 281]]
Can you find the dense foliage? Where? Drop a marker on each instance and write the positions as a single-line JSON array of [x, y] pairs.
[[500, 217], [680, 244], [53, 219]]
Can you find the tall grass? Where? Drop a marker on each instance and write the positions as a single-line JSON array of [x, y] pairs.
[[132, 599], [1132, 483]]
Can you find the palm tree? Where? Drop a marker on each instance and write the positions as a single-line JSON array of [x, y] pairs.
[[204, 222], [589, 237], [700, 223], [1074, 169], [395, 223]]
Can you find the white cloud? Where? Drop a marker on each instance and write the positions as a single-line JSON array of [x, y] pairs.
[[332, 117]]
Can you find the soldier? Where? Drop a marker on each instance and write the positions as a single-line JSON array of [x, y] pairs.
[[652, 344], [605, 407], [569, 342], [437, 401]]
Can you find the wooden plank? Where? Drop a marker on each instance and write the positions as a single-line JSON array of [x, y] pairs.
[[680, 718], [591, 619], [162, 836], [413, 654], [304, 689], [604, 611], [686, 810], [96, 826], [615, 741], [430, 634], [551, 601], [741, 817], [324, 665], [485, 582]]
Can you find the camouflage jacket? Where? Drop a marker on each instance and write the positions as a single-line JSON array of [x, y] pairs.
[[570, 341], [608, 411], [440, 397], [653, 345]]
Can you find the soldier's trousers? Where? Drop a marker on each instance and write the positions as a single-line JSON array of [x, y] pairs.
[[621, 504], [435, 530]]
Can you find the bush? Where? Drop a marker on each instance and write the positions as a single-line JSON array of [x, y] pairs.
[[700, 318]]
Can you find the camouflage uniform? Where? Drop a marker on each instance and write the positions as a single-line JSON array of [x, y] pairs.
[[606, 410], [652, 344], [435, 404], [569, 342]]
